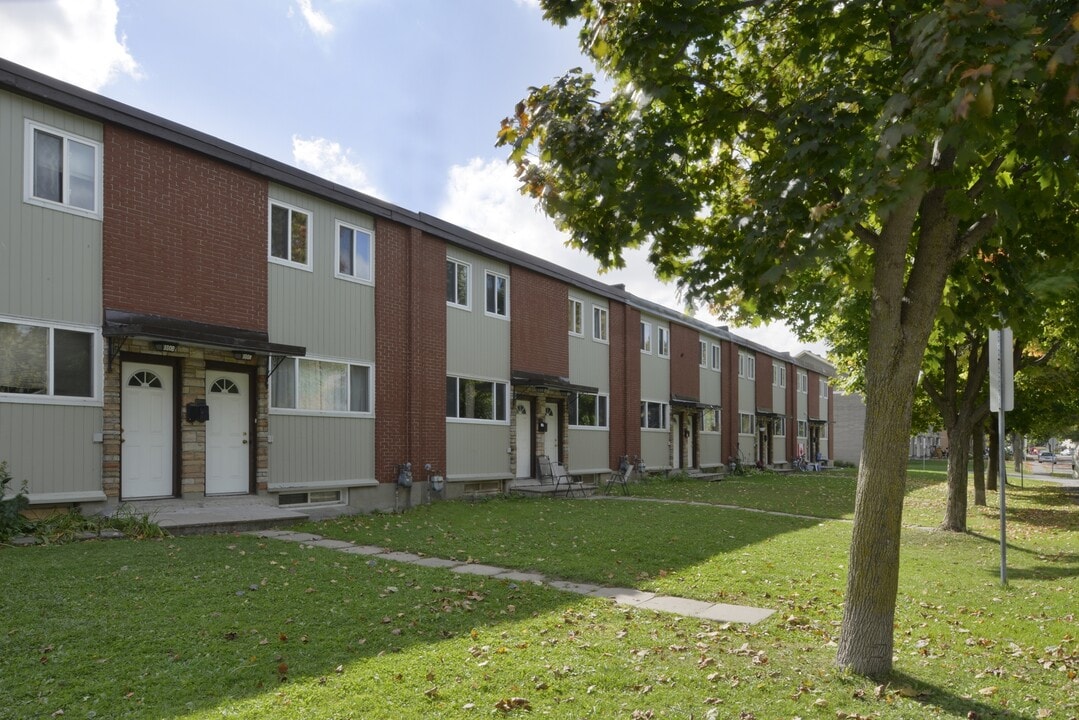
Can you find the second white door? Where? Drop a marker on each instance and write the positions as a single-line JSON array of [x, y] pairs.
[[228, 445]]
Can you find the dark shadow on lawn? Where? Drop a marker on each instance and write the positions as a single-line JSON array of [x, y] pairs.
[[278, 614], [933, 696]]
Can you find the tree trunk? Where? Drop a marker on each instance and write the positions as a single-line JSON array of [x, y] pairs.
[[1017, 455], [978, 443], [955, 514], [994, 452]]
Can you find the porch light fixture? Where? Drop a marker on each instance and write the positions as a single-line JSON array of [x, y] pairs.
[[242, 355], [164, 346]]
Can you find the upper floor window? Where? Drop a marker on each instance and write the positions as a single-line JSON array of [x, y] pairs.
[[497, 294], [62, 171], [469, 399], [747, 365], [321, 386], [458, 283], [587, 410], [290, 235], [354, 253], [646, 338], [779, 375], [803, 382], [715, 357], [823, 389], [663, 335], [40, 361], [599, 323], [576, 317], [704, 353], [653, 415]]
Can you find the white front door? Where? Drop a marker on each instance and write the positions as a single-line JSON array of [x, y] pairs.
[[146, 432], [676, 444], [691, 436], [228, 449], [550, 438], [524, 439]]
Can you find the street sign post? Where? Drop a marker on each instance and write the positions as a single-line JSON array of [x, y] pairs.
[[1001, 399]]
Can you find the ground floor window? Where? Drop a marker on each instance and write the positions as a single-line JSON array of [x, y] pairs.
[[710, 420], [587, 410], [44, 360], [653, 415], [468, 399], [803, 429], [746, 423], [779, 426], [320, 386]]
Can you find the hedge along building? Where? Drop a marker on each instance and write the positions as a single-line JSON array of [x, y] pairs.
[[182, 318]]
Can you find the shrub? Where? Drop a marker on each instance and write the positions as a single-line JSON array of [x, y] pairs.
[[12, 521]]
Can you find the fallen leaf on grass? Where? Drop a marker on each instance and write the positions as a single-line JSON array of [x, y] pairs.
[[513, 703]]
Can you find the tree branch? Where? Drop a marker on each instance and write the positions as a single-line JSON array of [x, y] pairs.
[[990, 172]]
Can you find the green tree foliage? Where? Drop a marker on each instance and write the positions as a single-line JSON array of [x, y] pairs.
[[826, 163]]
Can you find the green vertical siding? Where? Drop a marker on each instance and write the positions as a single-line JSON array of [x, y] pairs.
[[323, 450], [52, 448], [477, 344], [477, 451]]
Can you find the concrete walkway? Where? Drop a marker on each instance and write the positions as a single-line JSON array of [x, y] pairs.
[[719, 612]]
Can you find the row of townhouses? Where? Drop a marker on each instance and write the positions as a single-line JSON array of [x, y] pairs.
[[183, 318]]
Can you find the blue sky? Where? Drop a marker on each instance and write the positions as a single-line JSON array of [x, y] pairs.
[[397, 98]]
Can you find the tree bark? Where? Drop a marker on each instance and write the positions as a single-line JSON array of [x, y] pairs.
[[978, 443], [955, 513]]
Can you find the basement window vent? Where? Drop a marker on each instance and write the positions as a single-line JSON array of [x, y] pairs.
[[314, 497]]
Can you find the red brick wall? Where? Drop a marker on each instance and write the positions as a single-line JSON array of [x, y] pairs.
[[410, 350], [625, 373], [539, 333], [813, 401], [184, 235], [764, 381], [729, 359], [685, 362]]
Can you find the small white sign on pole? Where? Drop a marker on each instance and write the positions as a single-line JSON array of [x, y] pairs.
[[1001, 371]]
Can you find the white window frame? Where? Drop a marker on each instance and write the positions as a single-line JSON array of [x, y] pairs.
[[663, 336], [487, 275], [713, 412], [49, 397], [716, 357], [803, 382], [664, 415], [576, 317], [779, 426], [573, 411], [823, 389], [704, 353], [275, 410], [497, 386], [467, 266], [745, 419], [747, 365], [803, 429], [338, 226], [289, 262], [66, 138], [779, 375], [646, 338], [600, 330]]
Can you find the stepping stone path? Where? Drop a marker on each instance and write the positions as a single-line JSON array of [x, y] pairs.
[[719, 612]]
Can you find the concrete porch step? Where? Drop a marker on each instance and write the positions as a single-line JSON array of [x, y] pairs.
[[210, 517]]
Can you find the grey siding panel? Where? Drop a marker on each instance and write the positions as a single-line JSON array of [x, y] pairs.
[[477, 450], [319, 449], [477, 345], [51, 447], [711, 385], [655, 371], [588, 449], [655, 449], [589, 361], [51, 266], [779, 399], [711, 450], [747, 396], [747, 448], [331, 317]]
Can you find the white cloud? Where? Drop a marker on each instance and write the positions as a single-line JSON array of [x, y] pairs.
[[316, 20], [73, 40], [329, 160], [482, 197]]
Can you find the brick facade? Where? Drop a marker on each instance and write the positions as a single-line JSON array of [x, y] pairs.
[[184, 236], [625, 373], [685, 362], [538, 335], [410, 351]]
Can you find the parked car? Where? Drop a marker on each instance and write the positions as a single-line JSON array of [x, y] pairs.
[[1047, 457]]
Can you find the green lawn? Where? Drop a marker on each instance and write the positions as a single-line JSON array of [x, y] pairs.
[[239, 627]]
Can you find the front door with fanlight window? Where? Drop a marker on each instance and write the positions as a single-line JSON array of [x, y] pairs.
[[147, 409], [551, 440], [523, 413], [228, 441]]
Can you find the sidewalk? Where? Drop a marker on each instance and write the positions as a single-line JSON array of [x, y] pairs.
[[719, 612]]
